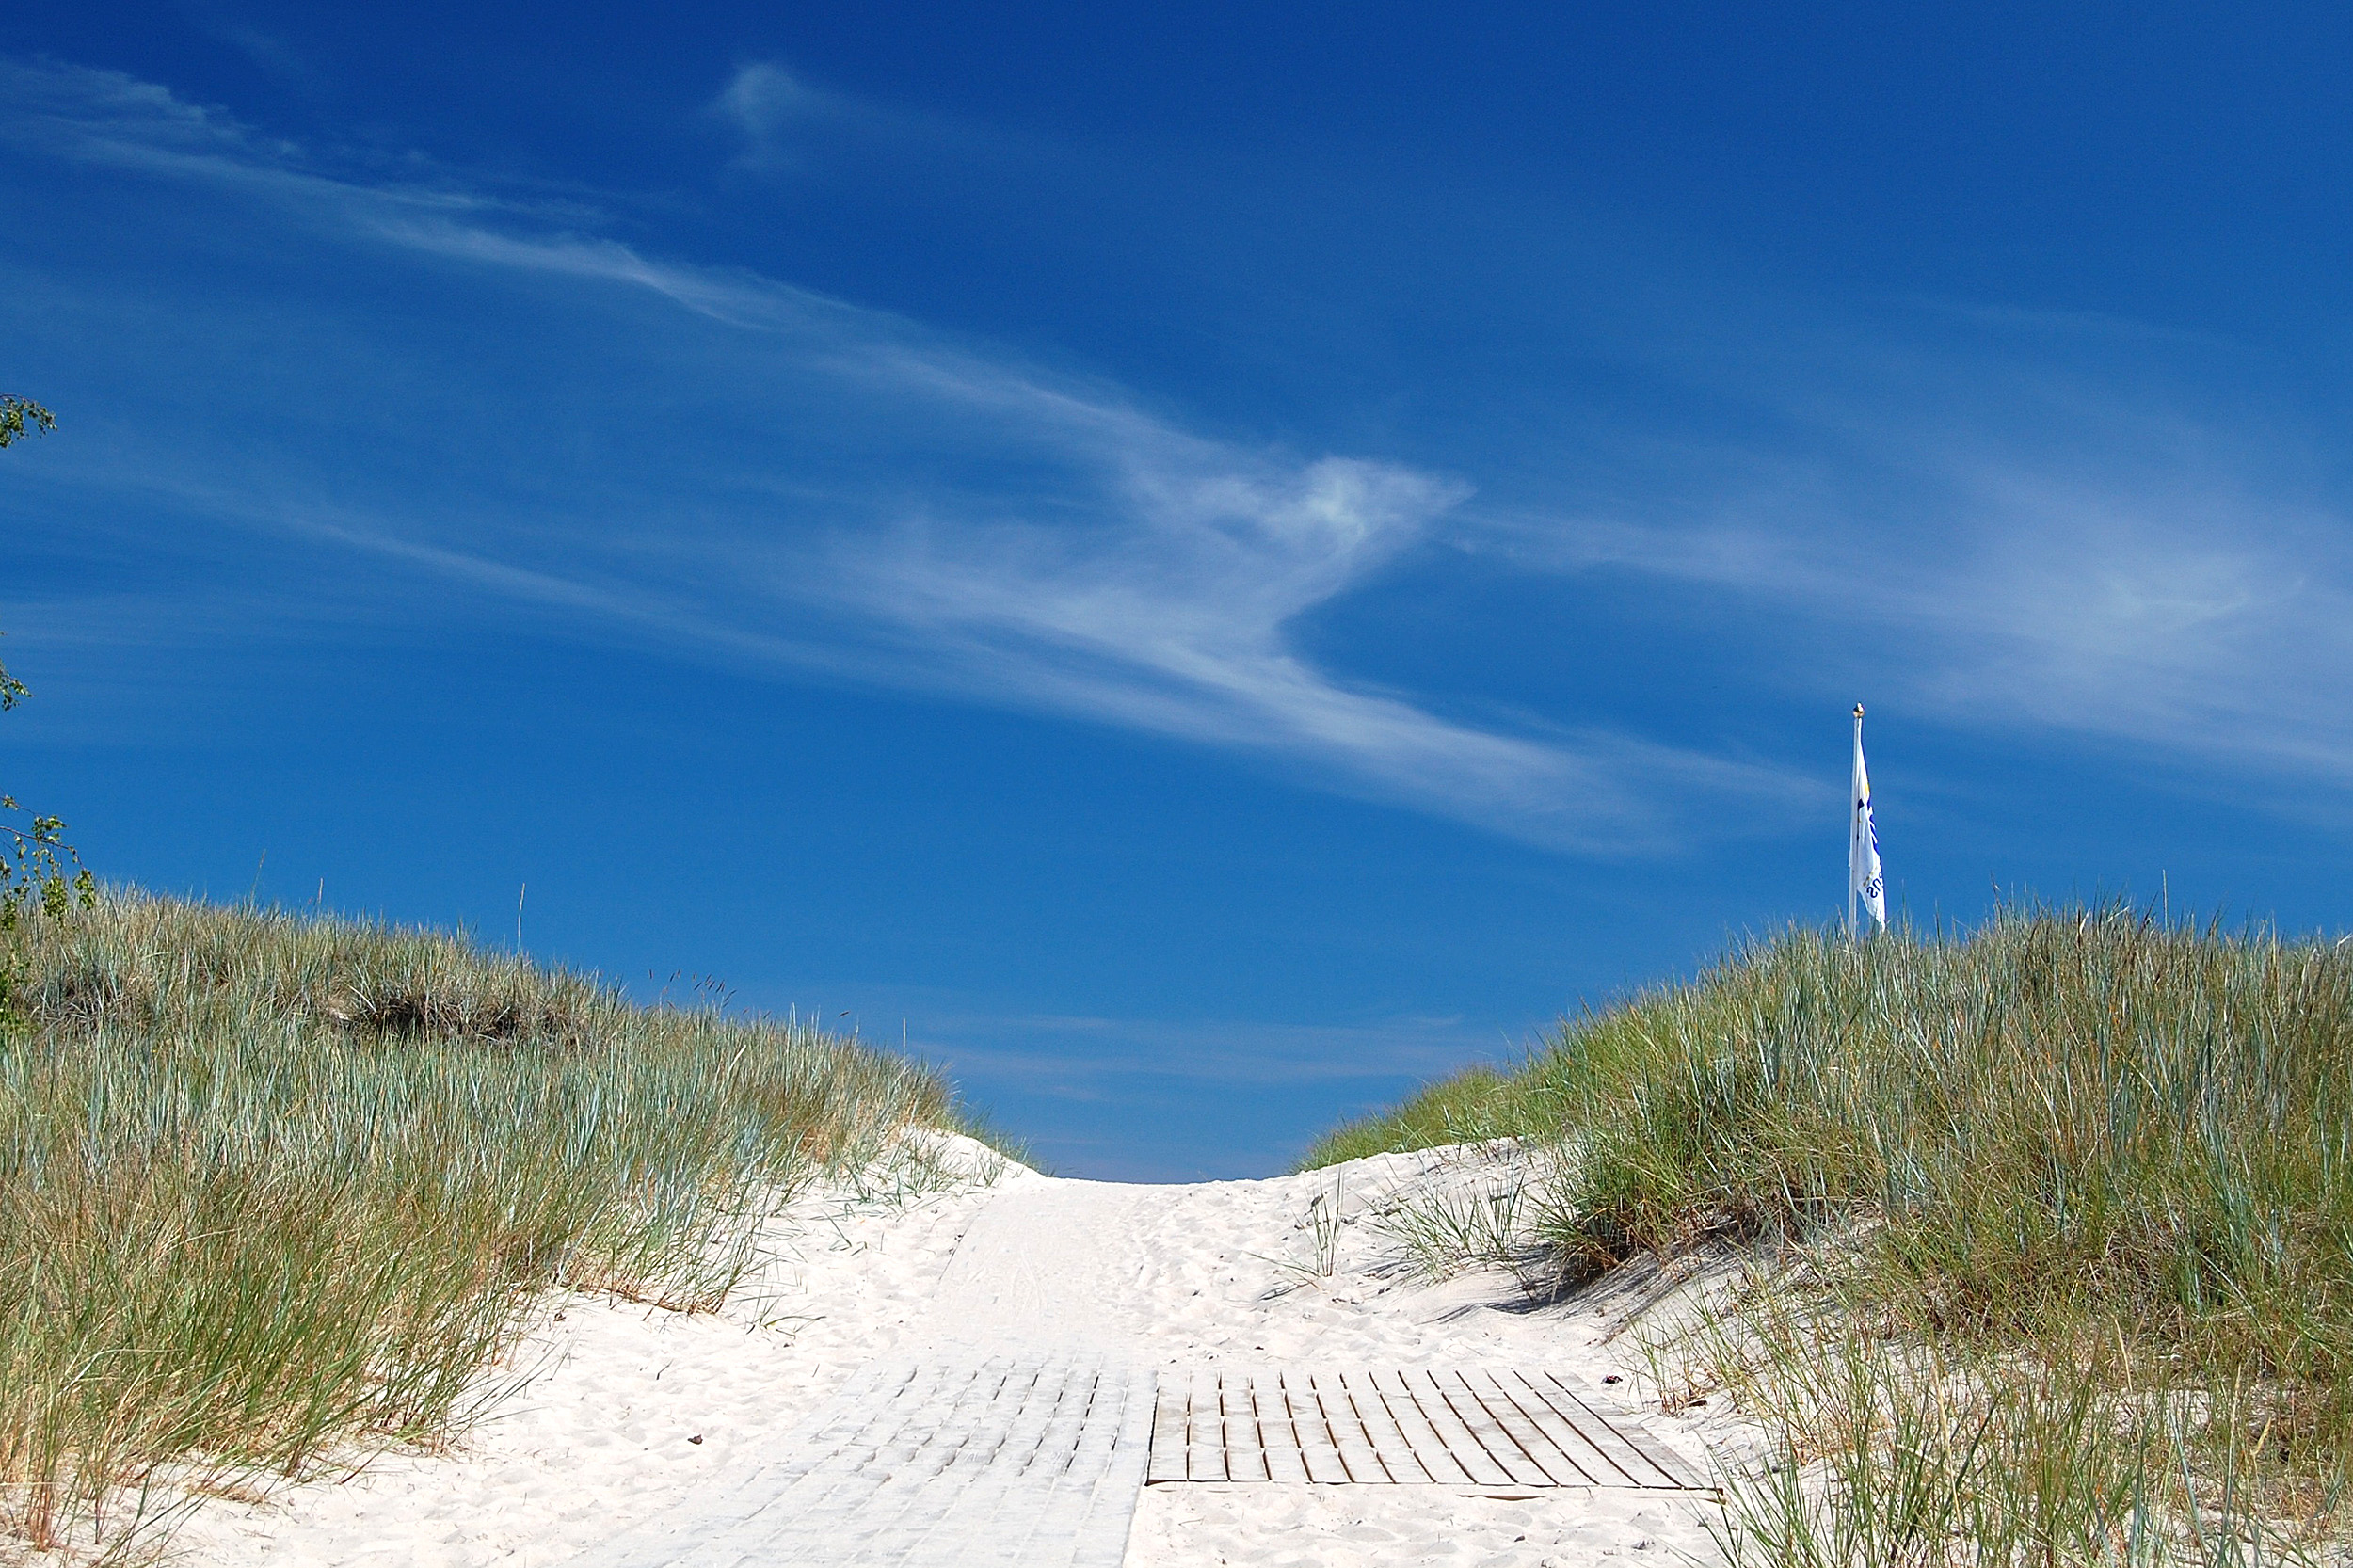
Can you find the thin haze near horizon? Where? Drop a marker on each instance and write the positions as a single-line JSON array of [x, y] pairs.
[[1200, 567]]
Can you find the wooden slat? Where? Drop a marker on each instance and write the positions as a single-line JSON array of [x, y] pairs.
[[1653, 1458], [1495, 1438], [1245, 1449], [1478, 1427], [1319, 1437], [1318, 1447], [1421, 1449], [1466, 1432], [1171, 1439], [1591, 1461], [1359, 1452], [1531, 1447], [1390, 1454], [1427, 1443], [1204, 1433], [1438, 1441], [1403, 1460], [1278, 1428]]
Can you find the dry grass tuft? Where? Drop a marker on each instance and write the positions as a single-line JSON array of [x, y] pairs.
[[272, 1184]]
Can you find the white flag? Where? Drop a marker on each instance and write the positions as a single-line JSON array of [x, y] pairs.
[[1863, 843]]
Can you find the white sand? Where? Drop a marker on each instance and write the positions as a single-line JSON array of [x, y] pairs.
[[604, 1432]]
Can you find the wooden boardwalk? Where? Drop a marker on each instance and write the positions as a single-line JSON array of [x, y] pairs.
[[1037, 1462], [1472, 1428], [1002, 1463]]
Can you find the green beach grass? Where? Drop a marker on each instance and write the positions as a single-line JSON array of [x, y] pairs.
[[272, 1186], [2049, 1227]]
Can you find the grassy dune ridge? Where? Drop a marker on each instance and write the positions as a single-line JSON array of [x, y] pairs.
[[2079, 1160], [270, 1183]]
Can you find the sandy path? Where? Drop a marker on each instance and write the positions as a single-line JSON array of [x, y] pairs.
[[1037, 1266], [605, 1434]]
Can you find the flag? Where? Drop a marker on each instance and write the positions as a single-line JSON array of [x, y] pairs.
[[1863, 843]]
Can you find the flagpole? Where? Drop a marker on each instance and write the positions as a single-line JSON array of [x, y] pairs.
[[1853, 829]]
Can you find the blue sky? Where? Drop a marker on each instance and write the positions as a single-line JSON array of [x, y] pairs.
[[1203, 565]]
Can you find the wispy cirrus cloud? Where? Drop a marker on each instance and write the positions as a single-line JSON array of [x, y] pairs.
[[785, 123], [2006, 519], [855, 495], [267, 50], [766, 104], [2089, 531]]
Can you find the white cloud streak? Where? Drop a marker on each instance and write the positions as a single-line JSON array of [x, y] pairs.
[[765, 103], [784, 125], [2101, 551], [2059, 537], [1146, 577]]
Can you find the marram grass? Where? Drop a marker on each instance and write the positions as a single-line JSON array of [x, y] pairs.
[[272, 1184], [2085, 1141]]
